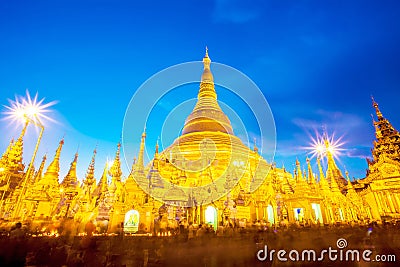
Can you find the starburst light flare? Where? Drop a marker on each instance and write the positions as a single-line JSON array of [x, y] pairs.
[[28, 108], [321, 145]]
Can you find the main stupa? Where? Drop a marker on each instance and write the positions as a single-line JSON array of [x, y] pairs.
[[207, 159]]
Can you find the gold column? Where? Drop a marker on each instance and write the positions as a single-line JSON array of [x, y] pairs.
[[384, 202], [378, 202], [276, 219], [389, 198], [397, 201], [332, 218], [257, 207]]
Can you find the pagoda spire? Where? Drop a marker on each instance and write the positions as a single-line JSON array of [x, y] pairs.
[[140, 160], [302, 186], [103, 184], [311, 178], [39, 173], [350, 186], [207, 114], [154, 178], [70, 179], [207, 76], [377, 110], [15, 154], [334, 185], [333, 172], [4, 157], [133, 166], [115, 170], [299, 175], [255, 149], [53, 169], [321, 171], [322, 181], [387, 137], [89, 178], [156, 151], [331, 161]]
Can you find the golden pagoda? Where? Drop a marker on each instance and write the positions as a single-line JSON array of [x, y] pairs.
[[381, 187], [207, 175]]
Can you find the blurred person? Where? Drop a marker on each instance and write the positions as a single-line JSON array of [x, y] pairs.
[[191, 231], [201, 231], [17, 246], [17, 233], [220, 230], [90, 228]]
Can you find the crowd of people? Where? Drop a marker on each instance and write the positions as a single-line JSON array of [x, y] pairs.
[[193, 245]]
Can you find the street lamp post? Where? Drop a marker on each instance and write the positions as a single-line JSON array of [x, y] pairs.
[[30, 167], [30, 110]]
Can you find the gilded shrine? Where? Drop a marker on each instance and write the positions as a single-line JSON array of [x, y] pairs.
[[207, 175]]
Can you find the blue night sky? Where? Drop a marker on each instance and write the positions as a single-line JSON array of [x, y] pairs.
[[316, 62]]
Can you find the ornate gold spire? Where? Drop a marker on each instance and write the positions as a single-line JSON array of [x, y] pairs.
[[156, 151], [333, 172], [255, 149], [4, 157], [39, 173], [207, 114], [350, 186], [89, 178], [322, 181], [140, 160], [299, 175], [302, 186], [331, 161], [154, 178], [377, 110], [115, 170], [54, 167], [70, 179], [103, 184], [321, 171], [387, 137], [207, 76], [311, 178], [15, 155], [334, 185]]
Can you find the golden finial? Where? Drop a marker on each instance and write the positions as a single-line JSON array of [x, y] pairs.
[[206, 63], [140, 160], [376, 106], [255, 145], [157, 147], [115, 170]]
